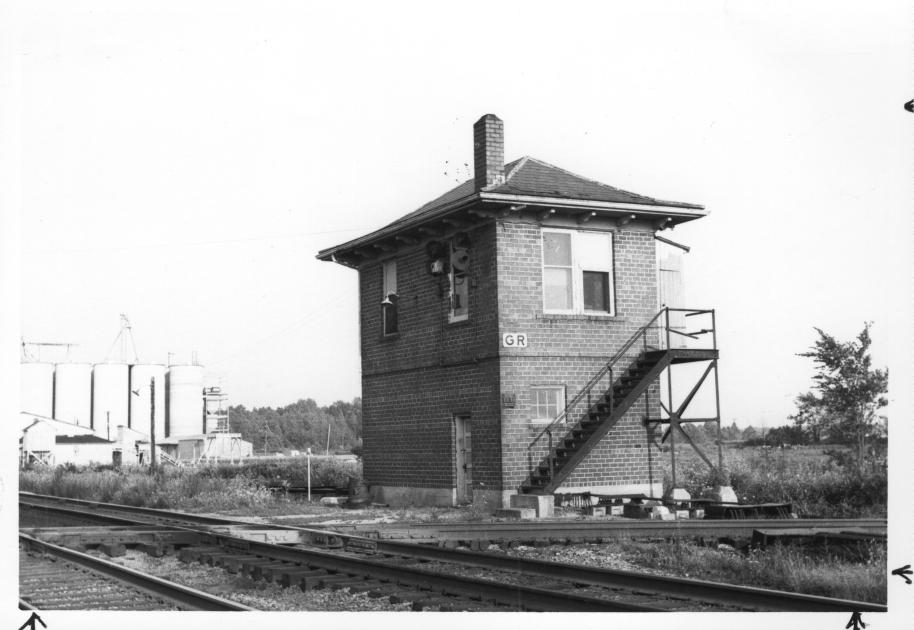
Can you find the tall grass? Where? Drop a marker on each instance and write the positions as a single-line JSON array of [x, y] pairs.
[[781, 567], [211, 488], [816, 484]]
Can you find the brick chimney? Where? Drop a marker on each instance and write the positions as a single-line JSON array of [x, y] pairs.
[[489, 151]]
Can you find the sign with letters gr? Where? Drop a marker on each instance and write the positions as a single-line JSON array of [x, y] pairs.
[[514, 340]]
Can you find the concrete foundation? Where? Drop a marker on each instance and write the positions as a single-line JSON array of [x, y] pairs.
[[544, 504], [647, 489]]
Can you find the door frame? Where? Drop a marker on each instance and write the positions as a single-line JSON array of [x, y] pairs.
[[463, 469]]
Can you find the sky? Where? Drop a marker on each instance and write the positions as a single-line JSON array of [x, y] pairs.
[[183, 163]]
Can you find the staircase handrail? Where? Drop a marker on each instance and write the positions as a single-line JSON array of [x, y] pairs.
[[661, 323], [599, 375]]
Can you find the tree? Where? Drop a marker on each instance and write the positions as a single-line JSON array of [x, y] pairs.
[[847, 392]]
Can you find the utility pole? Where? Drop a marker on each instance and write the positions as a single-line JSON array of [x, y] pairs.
[[328, 437], [152, 424], [108, 424]]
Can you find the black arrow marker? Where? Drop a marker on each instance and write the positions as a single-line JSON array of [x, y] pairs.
[[909, 106], [856, 621], [31, 622], [904, 572]]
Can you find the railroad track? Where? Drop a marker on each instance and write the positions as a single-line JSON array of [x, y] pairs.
[[552, 530], [516, 583], [602, 530], [55, 578]]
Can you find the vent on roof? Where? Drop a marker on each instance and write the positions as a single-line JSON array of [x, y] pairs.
[[489, 151]]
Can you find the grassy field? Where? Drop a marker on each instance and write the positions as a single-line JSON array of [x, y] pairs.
[[818, 481], [240, 489]]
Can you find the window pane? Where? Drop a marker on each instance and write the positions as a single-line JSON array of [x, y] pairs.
[[389, 313], [596, 291], [557, 249], [558, 288], [459, 295], [594, 251], [390, 277]]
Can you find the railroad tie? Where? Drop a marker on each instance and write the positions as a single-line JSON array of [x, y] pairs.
[[194, 554], [262, 570], [113, 549], [292, 575], [235, 564], [155, 550]]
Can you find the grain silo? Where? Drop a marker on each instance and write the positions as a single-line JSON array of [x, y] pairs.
[[36, 388], [110, 388], [73, 393], [141, 400], [185, 400]]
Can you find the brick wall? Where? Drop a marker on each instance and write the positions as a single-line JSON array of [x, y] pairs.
[[415, 381], [569, 349]]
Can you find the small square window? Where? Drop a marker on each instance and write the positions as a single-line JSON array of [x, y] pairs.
[[548, 403]]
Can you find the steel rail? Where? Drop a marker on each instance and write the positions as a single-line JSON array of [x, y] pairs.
[[699, 590], [750, 597], [33, 499], [182, 596], [521, 597], [602, 528]]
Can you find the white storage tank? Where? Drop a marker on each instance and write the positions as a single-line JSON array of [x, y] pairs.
[[36, 388], [140, 400], [73, 393], [110, 388], [185, 400]]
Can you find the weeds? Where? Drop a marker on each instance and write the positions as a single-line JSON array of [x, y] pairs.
[[817, 484], [781, 567]]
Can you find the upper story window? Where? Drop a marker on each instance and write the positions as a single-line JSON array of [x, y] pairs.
[[578, 272], [459, 284], [389, 297]]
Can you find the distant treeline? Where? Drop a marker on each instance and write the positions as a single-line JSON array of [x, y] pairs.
[[301, 425]]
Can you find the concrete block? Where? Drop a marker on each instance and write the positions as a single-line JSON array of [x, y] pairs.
[[544, 504], [697, 513], [724, 494], [682, 514], [333, 500], [677, 494], [594, 510], [616, 510], [515, 513]]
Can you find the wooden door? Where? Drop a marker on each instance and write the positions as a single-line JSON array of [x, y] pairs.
[[463, 456]]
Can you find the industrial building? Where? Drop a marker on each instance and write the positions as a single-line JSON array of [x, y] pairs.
[[491, 321], [109, 412]]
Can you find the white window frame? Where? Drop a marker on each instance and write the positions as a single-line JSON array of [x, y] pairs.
[[388, 278], [451, 316], [560, 402], [577, 274]]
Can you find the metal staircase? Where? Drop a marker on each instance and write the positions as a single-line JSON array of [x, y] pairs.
[[614, 390]]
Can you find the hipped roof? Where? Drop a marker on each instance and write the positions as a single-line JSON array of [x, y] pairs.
[[525, 178]]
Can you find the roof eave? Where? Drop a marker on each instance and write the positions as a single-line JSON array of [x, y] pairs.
[[392, 229], [682, 209]]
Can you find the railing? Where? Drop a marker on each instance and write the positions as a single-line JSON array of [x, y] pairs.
[[660, 322]]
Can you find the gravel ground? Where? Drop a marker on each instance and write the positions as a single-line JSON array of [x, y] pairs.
[[256, 594]]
